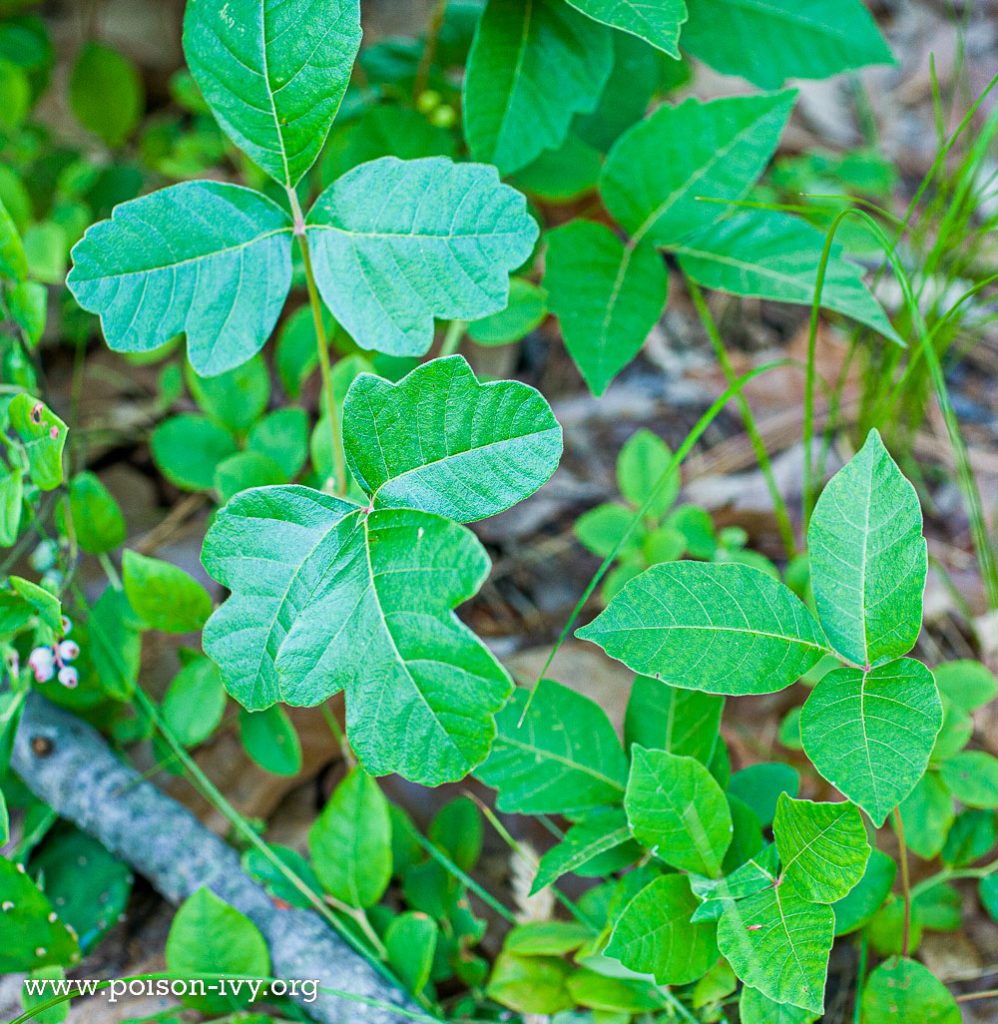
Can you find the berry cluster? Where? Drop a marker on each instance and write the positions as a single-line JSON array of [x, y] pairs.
[[45, 661]]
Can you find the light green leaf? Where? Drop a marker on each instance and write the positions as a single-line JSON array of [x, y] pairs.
[[244, 470], [755, 1008], [754, 875], [525, 311], [351, 842], [442, 442], [411, 942], [210, 937], [421, 688], [194, 702], [902, 990], [105, 93], [681, 722], [46, 604], [966, 684], [863, 901], [442, 247], [283, 437], [823, 847], [43, 435], [531, 984], [30, 934], [677, 810], [658, 23], [564, 759], [546, 938], [870, 734], [13, 261], [771, 255], [270, 739], [11, 502], [163, 596], [972, 834], [769, 41], [533, 65], [561, 175], [207, 258], [759, 786], [654, 934], [187, 450], [607, 296], [115, 644], [641, 463], [98, 522], [972, 777], [926, 814], [778, 942], [599, 832], [235, 399], [724, 628], [658, 174], [274, 73], [868, 558]]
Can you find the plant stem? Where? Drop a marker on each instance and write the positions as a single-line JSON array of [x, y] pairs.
[[322, 348], [949, 875], [864, 952], [109, 570], [969, 997], [452, 339], [780, 509], [334, 728], [905, 882], [422, 78]]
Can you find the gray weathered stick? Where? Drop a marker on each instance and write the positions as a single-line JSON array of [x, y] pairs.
[[67, 764]]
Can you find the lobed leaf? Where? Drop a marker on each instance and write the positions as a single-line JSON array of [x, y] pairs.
[[327, 597], [442, 442], [274, 73], [206, 258], [870, 734], [720, 628], [396, 243]]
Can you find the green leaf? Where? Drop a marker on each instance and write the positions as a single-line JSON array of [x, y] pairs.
[[28, 306], [564, 759], [654, 934], [771, 255], [940, 908], [988, 891], [163, 596], [546, 938], [31, 936], [11, 502], [411, 942], [274, 74], [860, 904], [270, 739], [235, 399], [778, 942], [421, 689], [600, 832], [973, 834], [115, 646], [681, 722], [244, 470], [870, 734], [533, 65], [754, 875], [677, 810], [13, 262], [457, 830], [443, 247], [755, 1008], [187, 449], [659, 173], [210, 937], [823, 847], [531, 984], [98, 522], [194, 702], [769, 41], [207, 258], [4, 820], [43, 435], [657, 23], [868, 558], [441, 442], [760, 786], [902, 990], [966, 684], [526, 309], [926, 814], [641, 464], [724, 628], [105, 93], [46, 605], [282, 436], [612, 996], [351, 842], [607, 296], [561, 175], [972, 777]]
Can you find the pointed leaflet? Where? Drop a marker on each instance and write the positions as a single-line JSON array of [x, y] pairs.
[[658, 174], [326, 597], [678, 810], [823, 847], [771, 255], [658, 22], [274, 73], [654, 934], [599, 832], [868, 558], [210, 259], [778, 942], [769, 41], [870, 734], [607, 296], [396, 243], [442, 442], [746, 880], [533, 65], [564, 759], [721, 628]]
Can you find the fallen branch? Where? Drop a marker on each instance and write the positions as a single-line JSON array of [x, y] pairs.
[[67, 764]]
